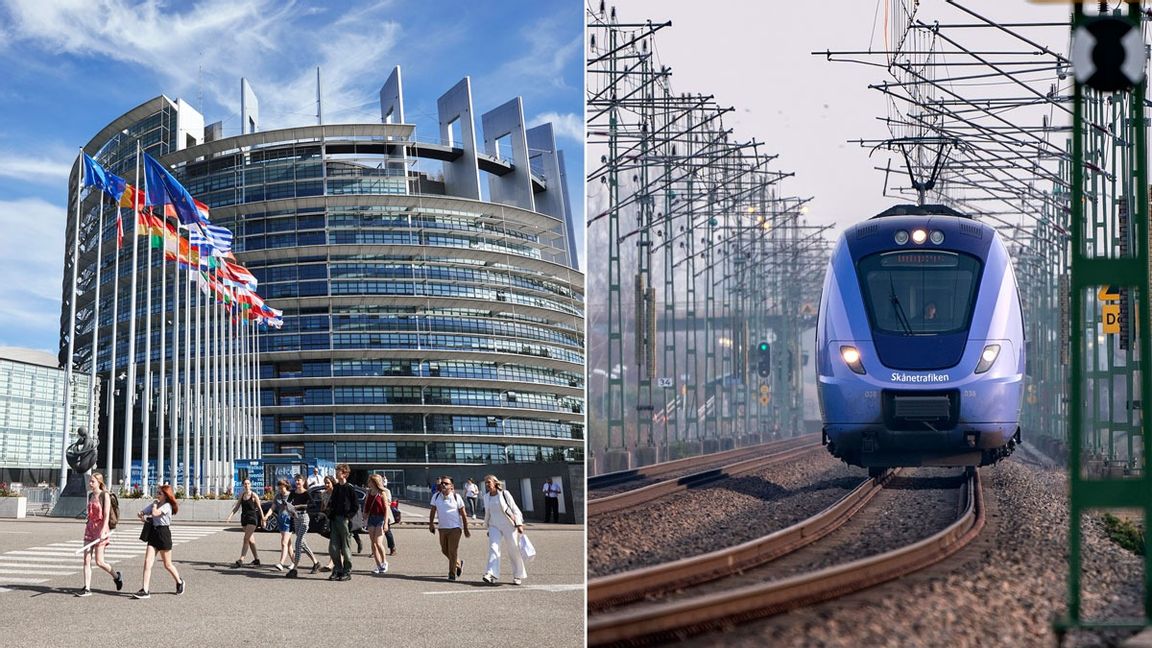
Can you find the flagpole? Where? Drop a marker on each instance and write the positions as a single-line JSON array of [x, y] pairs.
[[259, 427], [233, 389], [146, 408], [162, 401], [174, 414], [229, 387], [198, 388], [186, 401], [238, 408], [237, 386], [93, 426], [209, 393], [71, 325], [216, 431], [130, 385], [111, 440], [244, 393], [242, 369], [206, 388], [254, 450]]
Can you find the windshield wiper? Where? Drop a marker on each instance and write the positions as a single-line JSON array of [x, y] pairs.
[[899, 309]]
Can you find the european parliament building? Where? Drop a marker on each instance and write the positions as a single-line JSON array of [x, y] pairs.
[[433, 319]]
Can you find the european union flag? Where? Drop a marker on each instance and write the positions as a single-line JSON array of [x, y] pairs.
[[163, 189], [96, 176]]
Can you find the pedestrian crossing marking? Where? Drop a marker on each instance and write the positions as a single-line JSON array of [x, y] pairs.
[[23, 581], [515, 588], [34, 565]]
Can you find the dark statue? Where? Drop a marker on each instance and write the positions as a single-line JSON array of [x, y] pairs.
[[82, 454]]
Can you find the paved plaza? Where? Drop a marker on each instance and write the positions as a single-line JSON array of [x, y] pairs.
[[412, 606]]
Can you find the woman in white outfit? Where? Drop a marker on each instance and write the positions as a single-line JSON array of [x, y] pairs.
[[504, 521]]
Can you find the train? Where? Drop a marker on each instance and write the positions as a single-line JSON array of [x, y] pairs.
[[920, 343]]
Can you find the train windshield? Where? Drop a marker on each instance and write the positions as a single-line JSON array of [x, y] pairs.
[[919, 292]]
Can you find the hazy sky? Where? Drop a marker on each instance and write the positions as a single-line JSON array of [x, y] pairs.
[[71, 67], [757, 58]]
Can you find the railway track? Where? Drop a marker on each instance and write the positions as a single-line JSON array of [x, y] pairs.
[[798, 447], [636, 584], [662, 621], [613, 482]]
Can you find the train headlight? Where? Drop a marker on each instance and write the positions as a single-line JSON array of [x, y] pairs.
[[937, 237], [919, 236], [901, 237], [851, 357], [988, 357]]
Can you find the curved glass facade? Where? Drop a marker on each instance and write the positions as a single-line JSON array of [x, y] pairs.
[[419, 327]]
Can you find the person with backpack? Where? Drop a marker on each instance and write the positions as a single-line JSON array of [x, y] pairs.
[[251, 515], [505, 525], [453, 520], [394, 509], [342, 507], [103, 515], [157, 532], [378, 512]]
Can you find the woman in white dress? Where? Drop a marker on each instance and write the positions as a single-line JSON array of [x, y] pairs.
[[505, 524]]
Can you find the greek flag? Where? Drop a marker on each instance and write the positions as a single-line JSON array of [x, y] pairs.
[[213, 239]]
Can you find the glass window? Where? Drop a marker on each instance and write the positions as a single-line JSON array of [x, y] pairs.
[[919, 292]]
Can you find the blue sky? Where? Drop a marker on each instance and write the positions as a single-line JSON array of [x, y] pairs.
[[71, 66]]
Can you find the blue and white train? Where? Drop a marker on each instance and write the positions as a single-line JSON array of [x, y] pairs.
[[920, 343]]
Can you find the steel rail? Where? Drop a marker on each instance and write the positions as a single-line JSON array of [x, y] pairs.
[[608, 480], [680, 618], [634, 585], [632, 498]]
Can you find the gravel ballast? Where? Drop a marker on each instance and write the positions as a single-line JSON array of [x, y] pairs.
[[1005, 590], [722, 514]]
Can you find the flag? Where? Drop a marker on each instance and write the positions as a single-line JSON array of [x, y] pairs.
[[131, 197], [213, 240], [147, 224], [176, 248], [170, 210], [96, 176], [163, 189], [234, 274], [171, 241]]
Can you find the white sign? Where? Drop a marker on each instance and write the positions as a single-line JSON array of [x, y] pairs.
[[664, 382]]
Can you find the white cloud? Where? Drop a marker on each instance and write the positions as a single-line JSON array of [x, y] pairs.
[[568, 125], [32, 236], [548, 49], [218, 41], [37, 169]]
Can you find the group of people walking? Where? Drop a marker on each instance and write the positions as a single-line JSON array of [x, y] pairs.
[[503, 518], [156, 532], [448, 518], [339, 503]]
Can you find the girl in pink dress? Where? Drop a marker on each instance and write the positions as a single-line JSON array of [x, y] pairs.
[[99, 503]]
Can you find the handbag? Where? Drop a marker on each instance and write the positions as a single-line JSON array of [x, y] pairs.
[[526, 549], [507, 510], [146, 531]]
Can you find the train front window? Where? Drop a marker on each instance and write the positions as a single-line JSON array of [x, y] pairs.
[[919, 292]]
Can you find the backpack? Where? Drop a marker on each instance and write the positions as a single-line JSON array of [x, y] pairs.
[[114, 514]]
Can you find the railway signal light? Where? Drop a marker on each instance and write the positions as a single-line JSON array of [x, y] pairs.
[[763, 360]]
